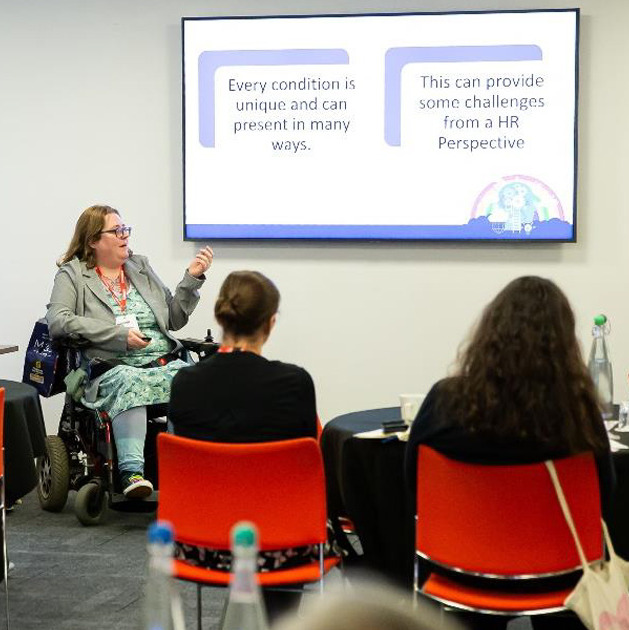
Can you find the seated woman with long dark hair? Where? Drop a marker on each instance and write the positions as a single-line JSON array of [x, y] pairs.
[[521, 393]]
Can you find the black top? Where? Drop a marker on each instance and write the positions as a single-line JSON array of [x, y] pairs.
[[243, 397], [455, 441]]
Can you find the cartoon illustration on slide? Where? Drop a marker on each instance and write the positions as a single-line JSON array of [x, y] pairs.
[[516, 209], [517, 205]]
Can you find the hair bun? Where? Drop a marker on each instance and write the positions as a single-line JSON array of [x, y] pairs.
[[247, 300], [226, 309]]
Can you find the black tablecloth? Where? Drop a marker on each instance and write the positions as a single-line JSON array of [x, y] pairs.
[[365, 482], [24, 438]]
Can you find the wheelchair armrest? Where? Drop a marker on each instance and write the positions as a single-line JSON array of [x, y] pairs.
[[73, 342], [202, 347]]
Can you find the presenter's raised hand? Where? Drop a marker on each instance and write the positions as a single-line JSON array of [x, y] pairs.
[[202, 262]]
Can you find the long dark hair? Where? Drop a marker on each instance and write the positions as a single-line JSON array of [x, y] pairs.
[[522, 374]]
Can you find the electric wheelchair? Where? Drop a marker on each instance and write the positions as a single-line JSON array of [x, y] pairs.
[[82, 456]]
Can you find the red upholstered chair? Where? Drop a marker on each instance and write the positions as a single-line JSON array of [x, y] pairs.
[[5, 563], [502, 523], [206, 487]]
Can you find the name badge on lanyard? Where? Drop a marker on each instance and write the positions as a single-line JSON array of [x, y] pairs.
[[128, 321]]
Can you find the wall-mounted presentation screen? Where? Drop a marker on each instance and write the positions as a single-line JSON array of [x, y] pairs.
[[457, 126]]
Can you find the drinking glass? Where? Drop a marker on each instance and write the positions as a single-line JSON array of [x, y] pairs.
[[409, 406], [623, 416]]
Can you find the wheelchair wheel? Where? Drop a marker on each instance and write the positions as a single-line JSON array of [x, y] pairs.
[[53, 470], [90, 504]]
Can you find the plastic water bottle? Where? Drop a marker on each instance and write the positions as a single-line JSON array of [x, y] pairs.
[[162, 604], [600, 366], [244, 609]]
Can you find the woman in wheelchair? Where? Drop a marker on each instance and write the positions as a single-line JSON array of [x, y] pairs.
[[110, 297], [251, 399]]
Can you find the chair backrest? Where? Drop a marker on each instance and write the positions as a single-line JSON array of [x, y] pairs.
[[206, 487], [505, 520]]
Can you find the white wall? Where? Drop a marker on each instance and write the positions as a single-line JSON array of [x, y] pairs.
[[90, 112]]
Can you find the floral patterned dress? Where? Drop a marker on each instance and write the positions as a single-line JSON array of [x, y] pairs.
[[127, 386], [221, 560]]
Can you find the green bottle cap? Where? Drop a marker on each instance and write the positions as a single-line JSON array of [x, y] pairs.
[[599, 320], [244, 534]]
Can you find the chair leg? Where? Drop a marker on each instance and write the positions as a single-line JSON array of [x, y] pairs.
[[321, 568], [5, 562], [199, 609], [415, 581]]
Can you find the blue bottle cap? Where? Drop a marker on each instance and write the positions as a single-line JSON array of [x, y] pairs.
[[160, 532]]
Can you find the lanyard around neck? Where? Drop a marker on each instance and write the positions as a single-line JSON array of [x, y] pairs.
[[122, 300], [227, 349]]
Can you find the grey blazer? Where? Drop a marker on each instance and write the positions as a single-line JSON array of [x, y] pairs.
[[79, 305]]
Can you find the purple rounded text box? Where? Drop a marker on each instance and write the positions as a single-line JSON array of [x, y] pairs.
[[397, 58], [211, 60]]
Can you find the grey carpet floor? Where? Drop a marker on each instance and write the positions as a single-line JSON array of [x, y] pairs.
[[71, 577]]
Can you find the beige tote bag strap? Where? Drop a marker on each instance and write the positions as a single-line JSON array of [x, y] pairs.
[[552, 471], [608, 541]]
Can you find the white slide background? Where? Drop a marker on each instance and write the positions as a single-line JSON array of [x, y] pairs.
[[349, 174]]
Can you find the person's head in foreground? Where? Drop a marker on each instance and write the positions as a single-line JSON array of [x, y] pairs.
[[367, 606], [246, 309], [522, 373]]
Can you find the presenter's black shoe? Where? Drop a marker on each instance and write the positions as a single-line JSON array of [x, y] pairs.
[[134, 486]]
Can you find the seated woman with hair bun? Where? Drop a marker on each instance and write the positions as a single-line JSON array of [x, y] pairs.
[[237, 395]]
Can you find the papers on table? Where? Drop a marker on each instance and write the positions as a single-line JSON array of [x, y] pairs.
[[379, 434], [612, 434], [616, 446], [614, 438], [376, 434], [402, 436]]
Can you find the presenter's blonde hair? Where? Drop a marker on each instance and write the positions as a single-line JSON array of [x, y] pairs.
[[86, 232]]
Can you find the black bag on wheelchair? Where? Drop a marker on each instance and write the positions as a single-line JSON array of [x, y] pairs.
[[46, 364]]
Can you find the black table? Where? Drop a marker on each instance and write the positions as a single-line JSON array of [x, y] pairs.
[[365, 482], [24, 438]]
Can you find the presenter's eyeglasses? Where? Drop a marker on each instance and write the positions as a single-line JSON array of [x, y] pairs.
[[122, 231]]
